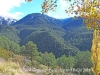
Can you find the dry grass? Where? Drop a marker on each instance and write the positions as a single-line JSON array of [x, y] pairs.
[[11, 68]]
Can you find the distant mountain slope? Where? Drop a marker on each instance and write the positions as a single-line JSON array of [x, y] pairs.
[[60, 36], [37, 18], [9, 32], [80, 38], [46, 32], [77, 34], [47, 41], [7, 21], [72, 23], [66, 36]]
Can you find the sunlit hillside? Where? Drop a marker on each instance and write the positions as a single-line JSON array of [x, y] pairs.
[[11, 68]]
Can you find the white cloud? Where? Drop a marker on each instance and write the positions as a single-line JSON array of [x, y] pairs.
[[52, 15], [7, 5], [15, 15], [58, 16], [63, 4]]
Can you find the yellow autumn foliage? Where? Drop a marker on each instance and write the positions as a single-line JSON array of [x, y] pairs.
[[87, 9], [95, 49], [90, 11]]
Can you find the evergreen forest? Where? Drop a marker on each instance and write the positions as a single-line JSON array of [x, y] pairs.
[[47, 47]]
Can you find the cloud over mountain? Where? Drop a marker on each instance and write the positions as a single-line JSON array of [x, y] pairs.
[[7, 5]]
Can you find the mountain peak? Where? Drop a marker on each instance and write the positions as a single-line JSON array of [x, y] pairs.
[[7, 20], [38, 18]]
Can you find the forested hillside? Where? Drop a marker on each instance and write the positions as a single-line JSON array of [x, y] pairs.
[[41, 42], [66, 36]]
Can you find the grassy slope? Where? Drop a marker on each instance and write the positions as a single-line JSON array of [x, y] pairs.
[[11, 68]]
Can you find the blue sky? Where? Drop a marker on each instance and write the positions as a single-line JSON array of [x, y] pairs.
[[19, 8]]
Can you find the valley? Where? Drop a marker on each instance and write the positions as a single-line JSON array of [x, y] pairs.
[[50, 34], [53, 41]]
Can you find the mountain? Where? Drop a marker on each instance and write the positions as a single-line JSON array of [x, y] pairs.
[[9, 32], [37, 18], [49, 41], [46, 32], [7, 21], [72, 23], [77, 34], [59, 36]]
